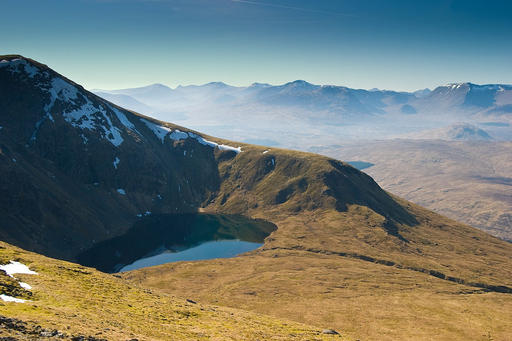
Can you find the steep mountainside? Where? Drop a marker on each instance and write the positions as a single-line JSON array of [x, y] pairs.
[[77, 170]]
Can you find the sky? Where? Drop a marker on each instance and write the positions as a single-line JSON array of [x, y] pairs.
[[386, 44]]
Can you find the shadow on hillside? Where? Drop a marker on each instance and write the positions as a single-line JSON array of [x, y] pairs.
[[352, 187]]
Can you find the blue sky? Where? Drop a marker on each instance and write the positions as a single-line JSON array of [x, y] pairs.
[[400, 45]]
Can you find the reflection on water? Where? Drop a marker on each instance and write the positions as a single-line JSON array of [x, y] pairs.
[[208, 250], [162, 239]]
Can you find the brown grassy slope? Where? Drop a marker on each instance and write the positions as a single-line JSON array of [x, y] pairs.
[[82, 301], [403, 273], [467, 181]]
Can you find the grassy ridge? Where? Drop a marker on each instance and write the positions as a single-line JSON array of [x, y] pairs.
[[82, 301]]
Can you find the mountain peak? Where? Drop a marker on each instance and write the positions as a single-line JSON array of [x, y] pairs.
[[454, 86], [467, 132], [158, 85], [259, 85], [299, 83], [217, 85], [422, 93]]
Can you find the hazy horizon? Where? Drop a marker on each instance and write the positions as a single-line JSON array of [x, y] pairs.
[[280, 84]]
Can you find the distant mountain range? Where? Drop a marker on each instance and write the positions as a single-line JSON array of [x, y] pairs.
[[307, 114]]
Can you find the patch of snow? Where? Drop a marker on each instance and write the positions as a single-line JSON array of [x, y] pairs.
[[226, 147], [184, 153], [121, 191], [124, 120], [13, 66], [31, 70], [177, 135], [25, 286], [147, 213], [212, 144], [38, 125], [266, 151], [83, 117], [13, 160], [116, 162], [159, 196], [158, 130], [273, 162], [63, 90], [139, 215], [161, 132], [7, 298], [86, 117], [16, 268]]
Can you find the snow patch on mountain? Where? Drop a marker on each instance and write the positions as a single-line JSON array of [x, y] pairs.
[[16, 268], [87, 117], [161, 132], [124, 120], [25, 286], [158, 130], [177, 135], [212, 144], [14, 66], [84, 113], [7, 298]]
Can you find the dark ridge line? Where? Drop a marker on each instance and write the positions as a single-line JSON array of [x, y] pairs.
[[487, 287]]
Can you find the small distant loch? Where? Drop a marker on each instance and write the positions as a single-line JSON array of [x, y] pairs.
[[360, 165]]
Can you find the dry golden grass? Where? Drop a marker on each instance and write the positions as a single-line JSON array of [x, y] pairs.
[[363, 300], [299, 274], [466, 181], [83, 301]]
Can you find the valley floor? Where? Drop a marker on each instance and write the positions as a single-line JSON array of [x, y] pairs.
[[466, 181]]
